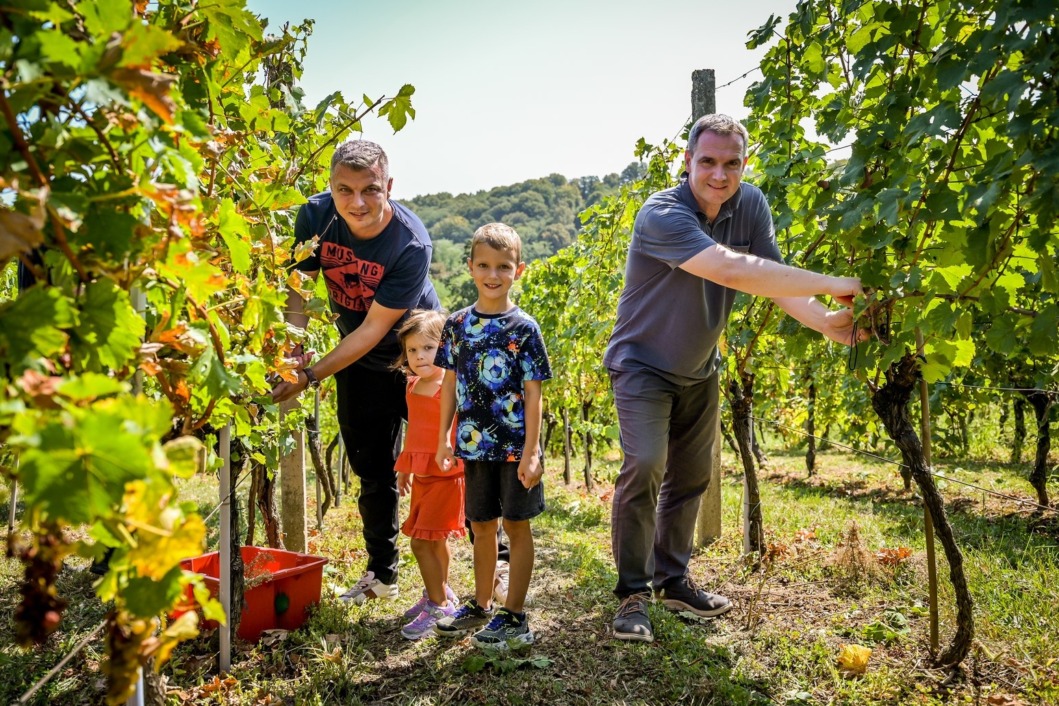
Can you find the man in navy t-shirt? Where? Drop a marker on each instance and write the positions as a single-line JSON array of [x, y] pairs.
[[375, 256]]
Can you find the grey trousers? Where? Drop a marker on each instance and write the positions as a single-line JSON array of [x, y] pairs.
[[667, 431]]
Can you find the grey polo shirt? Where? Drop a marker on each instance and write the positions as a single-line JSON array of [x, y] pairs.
[[669, 320]]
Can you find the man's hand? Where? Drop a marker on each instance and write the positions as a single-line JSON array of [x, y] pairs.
[[845, 290], [289, 390], [530, 470], [284, 390], [838, 326], [445, 458], [404, 483], [300, 357]]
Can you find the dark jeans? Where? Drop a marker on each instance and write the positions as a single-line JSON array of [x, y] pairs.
[[371, 405], [667, 432]]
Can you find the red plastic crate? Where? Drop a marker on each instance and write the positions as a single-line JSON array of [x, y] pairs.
[[279, 587]]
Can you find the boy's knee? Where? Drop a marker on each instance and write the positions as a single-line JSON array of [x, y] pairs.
[[482, 529], [516, 529]]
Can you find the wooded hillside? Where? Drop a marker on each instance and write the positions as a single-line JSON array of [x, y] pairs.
[[544, 212]]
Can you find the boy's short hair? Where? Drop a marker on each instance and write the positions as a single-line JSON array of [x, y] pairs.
[[426, 322], [720, 124], [498, 236], [360, 154]]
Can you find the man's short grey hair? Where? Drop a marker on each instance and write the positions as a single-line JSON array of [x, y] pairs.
[[719, 124], [360, 154]]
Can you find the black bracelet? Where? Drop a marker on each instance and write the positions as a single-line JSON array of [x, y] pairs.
[[314, 382]]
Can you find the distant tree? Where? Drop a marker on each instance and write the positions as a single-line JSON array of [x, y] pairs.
[[632, 172], [454, 228]]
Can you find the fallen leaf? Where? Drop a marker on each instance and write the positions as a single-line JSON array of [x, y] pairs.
[[271, 637], [804, 535], [853, 658], [893, 557]]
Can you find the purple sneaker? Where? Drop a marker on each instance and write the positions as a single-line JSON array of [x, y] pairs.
[[422, 603], [427, 619]]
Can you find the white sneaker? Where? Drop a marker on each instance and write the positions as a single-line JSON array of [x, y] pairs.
[[500, 582], [368, 588]]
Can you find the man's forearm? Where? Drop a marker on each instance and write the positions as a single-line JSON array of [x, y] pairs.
[[808, 311], [349, 350], [764, 277]]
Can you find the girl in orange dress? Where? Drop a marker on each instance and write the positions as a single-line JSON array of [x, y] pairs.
[[437, 496]]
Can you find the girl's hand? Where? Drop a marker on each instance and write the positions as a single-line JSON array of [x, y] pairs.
[[445, 458], [530, 470], [404, 483]]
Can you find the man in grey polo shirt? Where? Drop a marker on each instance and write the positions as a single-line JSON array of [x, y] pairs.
[[693, 247]]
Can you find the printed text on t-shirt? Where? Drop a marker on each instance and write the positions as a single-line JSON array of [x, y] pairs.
[[351, 282]]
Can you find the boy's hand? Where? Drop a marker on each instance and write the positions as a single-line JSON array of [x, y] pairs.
[[445, 458], [530, 470], [404, 483]]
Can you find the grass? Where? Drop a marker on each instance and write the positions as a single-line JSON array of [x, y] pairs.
[[779, 645]]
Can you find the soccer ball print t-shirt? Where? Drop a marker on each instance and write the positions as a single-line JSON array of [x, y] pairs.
[[492, 355]]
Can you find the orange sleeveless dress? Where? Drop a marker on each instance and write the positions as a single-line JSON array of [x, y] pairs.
[[436, 511]]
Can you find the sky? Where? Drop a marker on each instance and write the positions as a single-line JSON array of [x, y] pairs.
[[510, 91]]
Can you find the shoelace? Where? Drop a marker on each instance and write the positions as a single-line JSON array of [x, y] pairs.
[[636, 603], [466, 609], [362, 585], [500, 619]]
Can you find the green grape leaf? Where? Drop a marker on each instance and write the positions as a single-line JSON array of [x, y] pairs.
[[90, 386], [232, 227], [209, 370], [187, 456], [32, 325], [104, 17], [60, 49], [110, 233], [1002, 335], [146, 596], [1046, 264], [109, 333], [142, 43], [399, 108], [1043, 331], [945, 280]]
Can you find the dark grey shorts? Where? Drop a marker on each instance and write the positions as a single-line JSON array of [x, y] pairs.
[[493, 490]]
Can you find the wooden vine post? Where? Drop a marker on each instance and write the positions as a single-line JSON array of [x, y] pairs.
[[292, 491], [708, 525], [225, 578]]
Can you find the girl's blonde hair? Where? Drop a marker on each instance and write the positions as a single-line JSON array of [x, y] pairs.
[[425, 322]]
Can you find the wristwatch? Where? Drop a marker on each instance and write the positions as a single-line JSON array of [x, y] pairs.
[[314, 382]]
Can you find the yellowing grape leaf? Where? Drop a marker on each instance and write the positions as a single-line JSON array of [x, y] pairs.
[[160, 647]]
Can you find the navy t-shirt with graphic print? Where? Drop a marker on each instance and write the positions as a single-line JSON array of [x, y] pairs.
[[492, 355], [390, 268]]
